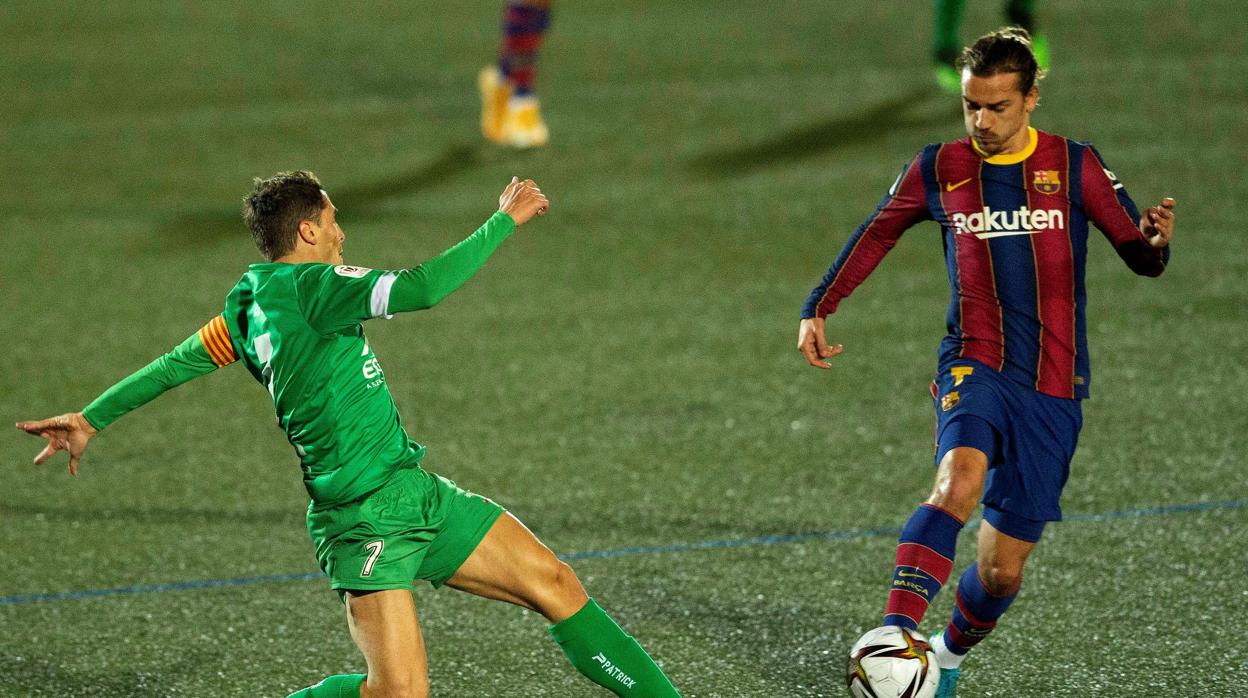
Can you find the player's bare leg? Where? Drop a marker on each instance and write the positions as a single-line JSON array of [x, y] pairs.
[[1001, 558], [960, 481], [385, 628], [985, 591], [925, 549], [510, 564]]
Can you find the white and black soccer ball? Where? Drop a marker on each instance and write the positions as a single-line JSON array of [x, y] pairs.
[[892, 662]]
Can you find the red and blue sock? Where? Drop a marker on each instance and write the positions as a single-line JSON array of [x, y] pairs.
[[524, 28], [975, 614], [924, 562]]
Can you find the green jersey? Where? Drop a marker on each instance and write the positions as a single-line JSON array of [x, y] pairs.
[[297, 328], [299, 333]]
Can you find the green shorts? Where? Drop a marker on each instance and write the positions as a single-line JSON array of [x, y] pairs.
[[417, 526]]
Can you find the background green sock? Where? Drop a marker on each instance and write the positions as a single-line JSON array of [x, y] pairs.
[[608, 656], [948, 16], [340, 686]]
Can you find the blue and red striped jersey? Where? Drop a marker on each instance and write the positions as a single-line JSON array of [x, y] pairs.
[[1015, 234]]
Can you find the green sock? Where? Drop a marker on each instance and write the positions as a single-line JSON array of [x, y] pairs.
[[340, 686], [948, 17], [608, 656]]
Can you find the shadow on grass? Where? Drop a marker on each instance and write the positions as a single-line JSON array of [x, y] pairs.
[[157, 515], [213, 224], [825, 136]]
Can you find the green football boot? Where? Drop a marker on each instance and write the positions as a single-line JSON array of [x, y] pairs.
[[949, 79]]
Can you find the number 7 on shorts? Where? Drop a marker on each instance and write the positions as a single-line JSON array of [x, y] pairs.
[[375, 548]]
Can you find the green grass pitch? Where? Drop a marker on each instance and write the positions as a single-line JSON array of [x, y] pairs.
[[623, 373]]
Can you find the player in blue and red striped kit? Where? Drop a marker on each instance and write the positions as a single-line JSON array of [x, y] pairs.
[[510, 111], [1013, 204]]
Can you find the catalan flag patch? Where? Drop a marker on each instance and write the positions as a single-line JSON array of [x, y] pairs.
[[216, 338]]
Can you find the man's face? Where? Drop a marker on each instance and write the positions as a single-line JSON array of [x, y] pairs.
[[996, 112], [329, 235]]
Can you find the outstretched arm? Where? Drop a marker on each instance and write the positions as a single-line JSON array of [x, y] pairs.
[[201, 353], [338, 298], [424, 286], [67, 432]]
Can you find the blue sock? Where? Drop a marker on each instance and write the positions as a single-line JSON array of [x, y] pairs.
[[975, 614], [923, 564]]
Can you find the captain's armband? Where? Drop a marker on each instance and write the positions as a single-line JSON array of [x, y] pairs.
[[215, 337]]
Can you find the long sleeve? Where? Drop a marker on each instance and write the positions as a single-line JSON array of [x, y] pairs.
[[904, 205], [334, 298], [1110, 207], [201, 354], [427, 284]]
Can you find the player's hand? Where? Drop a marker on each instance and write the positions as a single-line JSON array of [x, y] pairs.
[[66, 432], [811, 342], [1157, 223], [522, 200]]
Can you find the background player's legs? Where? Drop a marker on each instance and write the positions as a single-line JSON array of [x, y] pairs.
[[510, 564], [385, 628], [1022, 13], [985, 591], [510, 111], [524, 29], [945, 43], [926, 548]]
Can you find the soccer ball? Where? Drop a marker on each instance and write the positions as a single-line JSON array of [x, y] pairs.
[[892, 662]]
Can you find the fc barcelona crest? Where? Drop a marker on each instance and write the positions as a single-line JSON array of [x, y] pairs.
[[1047, 181], [949, 401]]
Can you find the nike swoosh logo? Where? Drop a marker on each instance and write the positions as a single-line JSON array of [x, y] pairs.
[[954, 185], [909, 574]]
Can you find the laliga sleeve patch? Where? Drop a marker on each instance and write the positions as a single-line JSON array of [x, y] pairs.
[[1113, 178], [353, 272]]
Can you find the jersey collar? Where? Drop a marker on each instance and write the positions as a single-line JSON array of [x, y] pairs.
[[1010, 158]]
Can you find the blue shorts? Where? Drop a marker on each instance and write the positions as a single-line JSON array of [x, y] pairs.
[[1029, 438]]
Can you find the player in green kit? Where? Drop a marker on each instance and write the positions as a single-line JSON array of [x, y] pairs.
[[379, 520]]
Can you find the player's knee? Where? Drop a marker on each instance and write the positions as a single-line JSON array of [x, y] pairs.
[[959, 482], [556, 588], [1001, 580], [958, 496], [561, 579]]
